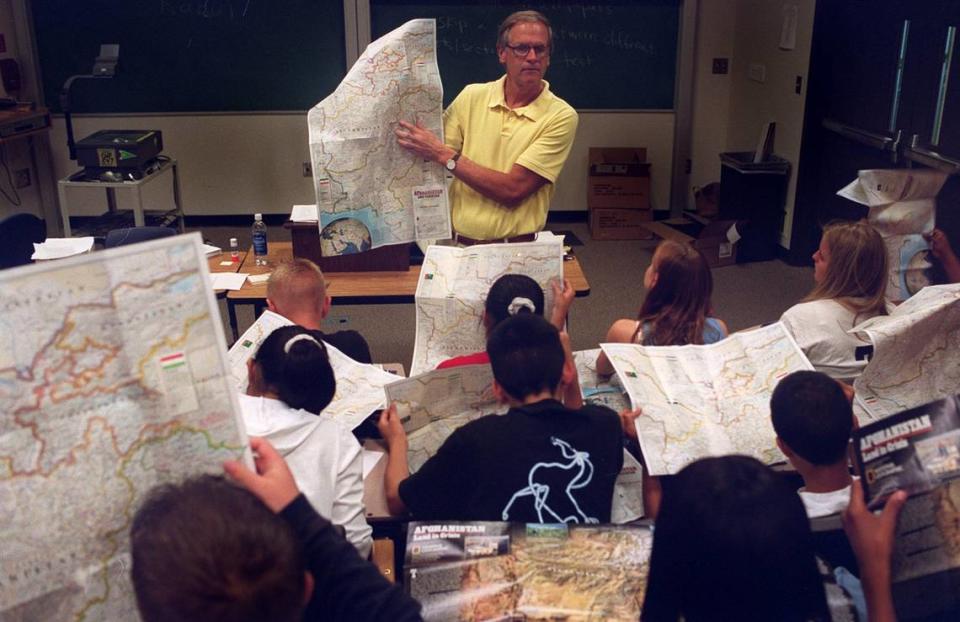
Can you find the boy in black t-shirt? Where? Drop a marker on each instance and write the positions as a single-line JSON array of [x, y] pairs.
[[539, 463]]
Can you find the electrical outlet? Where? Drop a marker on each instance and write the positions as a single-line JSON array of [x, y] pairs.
[[721, 66], [21, 178], [307, 169]]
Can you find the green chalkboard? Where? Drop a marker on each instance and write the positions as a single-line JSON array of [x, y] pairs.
[[611, 55], [192, 55]]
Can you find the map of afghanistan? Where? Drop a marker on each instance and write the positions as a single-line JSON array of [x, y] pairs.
[[712, 400], [916, 354], [113, 378], [453, 286], [370, 191]]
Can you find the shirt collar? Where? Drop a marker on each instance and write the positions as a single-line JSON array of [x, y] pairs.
[[548, 405], [533, 111]]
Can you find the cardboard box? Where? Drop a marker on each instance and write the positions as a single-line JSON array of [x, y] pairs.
[[620, 224], [618, 178], [714, 239]]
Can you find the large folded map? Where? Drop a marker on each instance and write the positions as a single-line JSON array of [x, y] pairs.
[[916, 353], [453, 286], [113, 379], [370, 191], [359, 386], [711, 400]]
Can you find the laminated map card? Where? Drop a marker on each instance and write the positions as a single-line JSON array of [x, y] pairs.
[[918, 451], [113, 379], [453, 286], [370, 191], [706, 400], [359, 386], [513, 571], [916, 353]]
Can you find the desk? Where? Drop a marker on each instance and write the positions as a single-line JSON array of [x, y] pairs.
[[356, 288], [136, 186], [213, 263]]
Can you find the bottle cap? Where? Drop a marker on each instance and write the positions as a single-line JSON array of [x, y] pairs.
[[233, 241], [258, 216]]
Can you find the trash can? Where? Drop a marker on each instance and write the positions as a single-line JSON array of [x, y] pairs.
[[754, 194]]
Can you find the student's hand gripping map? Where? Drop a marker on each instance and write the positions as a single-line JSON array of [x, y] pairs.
[[712, 400], [370, 192], [453, 286], [113, 378]]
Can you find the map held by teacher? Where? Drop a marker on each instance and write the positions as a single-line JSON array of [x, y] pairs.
[[370, 191]]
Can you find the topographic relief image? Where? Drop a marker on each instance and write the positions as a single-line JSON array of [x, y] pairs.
[[713, 400], [370, 191], [551, 572], [113, 378]]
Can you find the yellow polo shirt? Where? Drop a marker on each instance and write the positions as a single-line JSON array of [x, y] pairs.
[[537, 136]]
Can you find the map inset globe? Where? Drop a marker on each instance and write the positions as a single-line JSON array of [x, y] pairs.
[[344, 237]]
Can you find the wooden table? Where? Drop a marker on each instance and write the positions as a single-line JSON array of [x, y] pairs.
[[355, 288], [214, 265]]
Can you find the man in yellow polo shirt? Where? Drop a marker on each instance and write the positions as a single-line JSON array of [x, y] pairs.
[[506, 141]]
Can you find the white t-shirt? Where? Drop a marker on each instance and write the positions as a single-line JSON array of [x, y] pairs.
[[326, 461], [820, 328], [820, 504]]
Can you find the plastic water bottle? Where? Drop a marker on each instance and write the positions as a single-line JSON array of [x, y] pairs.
[[259, 240], [234, 251]]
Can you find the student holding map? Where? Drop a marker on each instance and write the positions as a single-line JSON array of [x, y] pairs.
[[297, 291], [503, 186], [676, 310], [850, 271], [290, 383], [540, 462], [813, 419]]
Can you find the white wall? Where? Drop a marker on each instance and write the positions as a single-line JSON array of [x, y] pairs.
[[756, 40], [711, 92], [241, 164]]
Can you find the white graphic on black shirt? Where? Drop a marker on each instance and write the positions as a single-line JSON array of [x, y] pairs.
[[579, 461]]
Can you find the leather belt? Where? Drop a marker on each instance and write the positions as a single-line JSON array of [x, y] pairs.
[[464, 240]]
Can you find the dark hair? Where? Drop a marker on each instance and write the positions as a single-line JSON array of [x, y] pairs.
[[503, 292], [732, 542], [811, 414], [302, 377], [676, 307], [526, 355], [208, 550]]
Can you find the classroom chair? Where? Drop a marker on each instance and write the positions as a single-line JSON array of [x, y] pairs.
[[18, 233], [132, 235]]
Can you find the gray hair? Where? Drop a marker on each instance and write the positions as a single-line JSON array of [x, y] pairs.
[[522, 16]]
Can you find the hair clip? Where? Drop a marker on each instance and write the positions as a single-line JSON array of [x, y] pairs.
[[295, 339], [521, 303]]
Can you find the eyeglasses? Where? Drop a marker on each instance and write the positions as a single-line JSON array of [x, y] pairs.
[[521, 51]]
